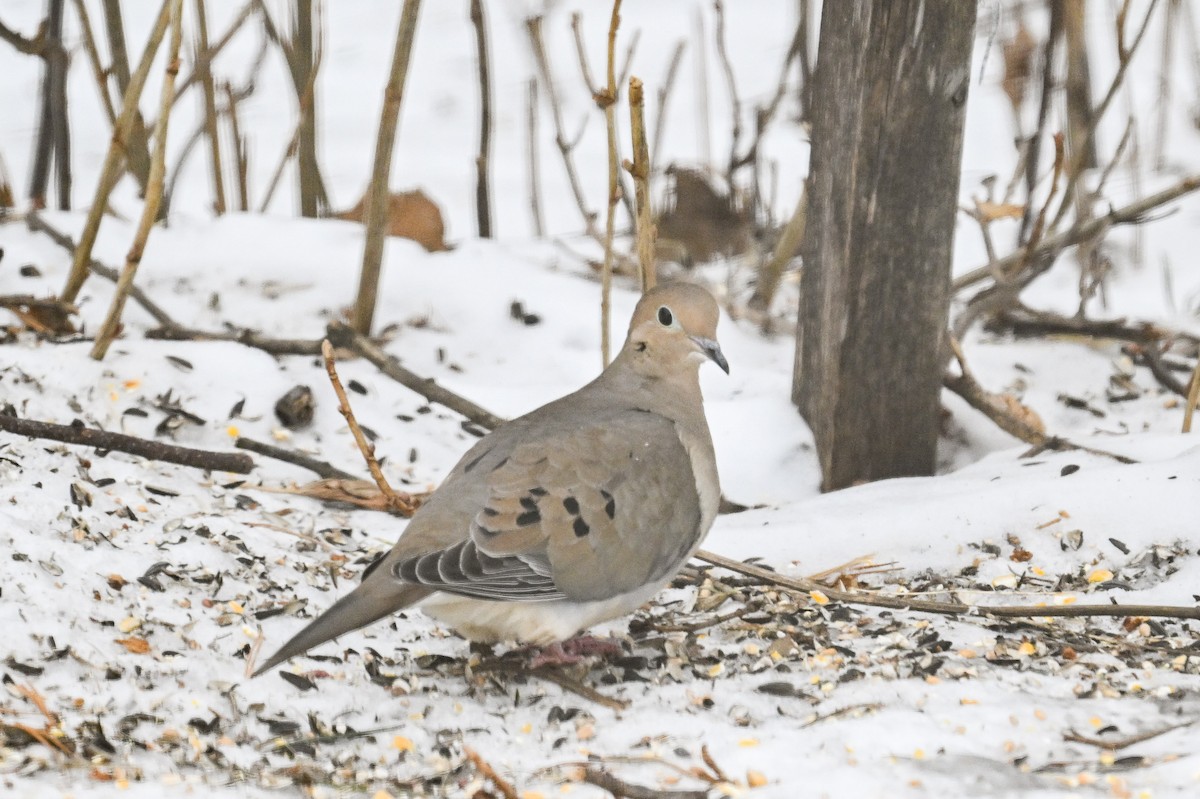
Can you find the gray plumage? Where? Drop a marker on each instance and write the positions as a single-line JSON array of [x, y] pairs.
[[573, 514]]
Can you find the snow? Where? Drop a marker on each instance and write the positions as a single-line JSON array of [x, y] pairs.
[[859, 701]]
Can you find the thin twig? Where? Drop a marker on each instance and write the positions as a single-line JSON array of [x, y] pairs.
[[377, 195], [342, 336], [207, 55], [137, 145], [398, 501], [245, 337], [204, 66], [35, 222], [771, 273], [112, 321], [93, 53], [482, 766], [646, 232], [322, 469], [664, 94], [620, 788], [110, 171], [1006, 417], [483, 200], [104, 440], [556, 676], [731, 85], [1193, 399], [1078, 159], [533, 26], [531, 133], [1123, 743], [1133, 213], [241, 156], [607, 100], [948, 608]]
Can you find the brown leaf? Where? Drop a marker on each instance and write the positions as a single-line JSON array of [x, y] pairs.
[[410, 215], [989, 211], [138, 646], [1018, 64]]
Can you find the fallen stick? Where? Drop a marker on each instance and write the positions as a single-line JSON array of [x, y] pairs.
[[246, 337], [618, 787], [990, 405], [343, 336], [79, 435], [320, 468], [947, 608]]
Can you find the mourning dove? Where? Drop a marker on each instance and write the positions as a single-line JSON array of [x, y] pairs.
[[574, 514]]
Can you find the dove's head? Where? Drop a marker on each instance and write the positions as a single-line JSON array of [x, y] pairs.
[[674, 330]]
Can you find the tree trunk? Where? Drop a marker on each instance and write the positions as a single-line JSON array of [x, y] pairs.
[[889, 101]]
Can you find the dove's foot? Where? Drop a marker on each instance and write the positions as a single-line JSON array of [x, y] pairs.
[[574, 650]]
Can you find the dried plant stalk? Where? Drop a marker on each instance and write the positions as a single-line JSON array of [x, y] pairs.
[[204, 65], [640, 168], [154, 190], [483, 200], [376, 216], [608, 101], [93, 54], [531, 125], [111, 170], [785, 249], [1193, 398]]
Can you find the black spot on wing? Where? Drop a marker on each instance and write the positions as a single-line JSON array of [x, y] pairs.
[[610, 503], [529, 517], [374, 564], [475, 461], [580, 527], [529, 503], [572, 505]]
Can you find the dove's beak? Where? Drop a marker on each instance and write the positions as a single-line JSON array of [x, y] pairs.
[[712, 350]]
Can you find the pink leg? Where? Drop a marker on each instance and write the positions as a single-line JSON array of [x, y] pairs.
[[575, 650]]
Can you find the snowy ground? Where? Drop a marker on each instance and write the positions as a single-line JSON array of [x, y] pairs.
[[133, 593]]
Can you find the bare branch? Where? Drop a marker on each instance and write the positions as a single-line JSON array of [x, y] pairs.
[[79, 435], [377, 195]]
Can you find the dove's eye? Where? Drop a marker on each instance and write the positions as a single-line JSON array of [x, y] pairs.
[[665, 317]]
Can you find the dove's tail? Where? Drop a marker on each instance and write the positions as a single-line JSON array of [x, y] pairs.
[[372, 600]]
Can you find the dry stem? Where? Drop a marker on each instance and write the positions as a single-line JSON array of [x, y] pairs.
[[483, 201], [531, 126], [607, 100], [154, 190], [343, 336], [534, 27], [377, 197], [647, 232], [1078, 159], [396, 501], [664, 94], [946, 608], [153, 450], [1133, 213], [111, 169], [785, 249], [89, 46], [204, 66], [1193, 399]]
